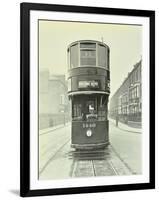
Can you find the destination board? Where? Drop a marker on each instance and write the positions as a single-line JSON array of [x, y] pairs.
[[88, 84]]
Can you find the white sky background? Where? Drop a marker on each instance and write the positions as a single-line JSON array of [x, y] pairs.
[[125, 42]]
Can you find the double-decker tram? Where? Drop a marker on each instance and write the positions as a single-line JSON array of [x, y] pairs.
[[88, 91]]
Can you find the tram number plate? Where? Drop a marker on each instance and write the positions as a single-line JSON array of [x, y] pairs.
[[91, 125]]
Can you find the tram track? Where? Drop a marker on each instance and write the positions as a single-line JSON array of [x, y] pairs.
[[113, 168], [100, 166], [123, 161], [94, 171], [90, 163]]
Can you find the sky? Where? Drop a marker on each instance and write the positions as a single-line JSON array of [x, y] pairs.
[[124, 41]]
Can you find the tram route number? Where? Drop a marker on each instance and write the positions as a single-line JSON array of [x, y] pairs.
[[91, 125]]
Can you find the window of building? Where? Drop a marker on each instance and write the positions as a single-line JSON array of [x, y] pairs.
[[138, 91], [62, 99], [137, 78]]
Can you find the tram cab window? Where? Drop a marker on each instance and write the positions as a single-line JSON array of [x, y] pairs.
[[90, 112], [85, 110], [74, 60]]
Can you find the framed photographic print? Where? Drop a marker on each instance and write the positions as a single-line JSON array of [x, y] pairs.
[[87, 99]]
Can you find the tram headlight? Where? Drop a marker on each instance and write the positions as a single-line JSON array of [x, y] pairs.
[[89, 133]]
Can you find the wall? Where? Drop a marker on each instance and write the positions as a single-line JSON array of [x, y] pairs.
[[9, 101], [53, 99]]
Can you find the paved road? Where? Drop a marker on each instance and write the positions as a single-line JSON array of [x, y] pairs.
[[128, 145], [57, 160], [50, 144]]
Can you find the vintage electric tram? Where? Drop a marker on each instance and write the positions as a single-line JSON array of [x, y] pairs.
[[88, 91]]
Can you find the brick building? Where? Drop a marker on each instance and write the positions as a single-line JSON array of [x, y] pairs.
[[53, 100], [126, 103]]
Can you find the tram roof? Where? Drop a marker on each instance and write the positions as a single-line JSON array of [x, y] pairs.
[[89, 41]]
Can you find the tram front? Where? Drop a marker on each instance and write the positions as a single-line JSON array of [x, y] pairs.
[[88, 91]]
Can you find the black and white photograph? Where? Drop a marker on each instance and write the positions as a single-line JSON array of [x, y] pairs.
[[89, 81], [90, 99]]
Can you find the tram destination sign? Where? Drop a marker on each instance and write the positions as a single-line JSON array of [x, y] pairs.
[[88, 84]]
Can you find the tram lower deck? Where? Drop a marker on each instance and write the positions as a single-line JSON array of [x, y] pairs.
[[89, 121]]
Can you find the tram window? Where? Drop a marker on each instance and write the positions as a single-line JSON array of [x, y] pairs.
[[108, 58], [88, 45], [91, 107], [102, 56], [85, 110], [89, 110], [68, 58], [69, 84], [74, 56], [77, 111], [102, 108], [88, 57]]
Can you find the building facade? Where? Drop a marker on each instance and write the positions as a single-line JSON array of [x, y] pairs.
[[126, 103], [53, 100]]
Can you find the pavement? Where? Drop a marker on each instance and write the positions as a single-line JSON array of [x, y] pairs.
[[50, 142], [128, 146], [125, 127], [50, 129]]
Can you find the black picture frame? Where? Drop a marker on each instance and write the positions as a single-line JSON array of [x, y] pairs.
[[25, 9]]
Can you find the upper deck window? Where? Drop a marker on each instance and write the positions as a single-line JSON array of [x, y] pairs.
[[88, 45], [87, 57], [87, 54], [74, 60], [82, 54], [102, 56]]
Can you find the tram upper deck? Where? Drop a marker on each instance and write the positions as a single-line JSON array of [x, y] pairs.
[[88, 67], [88, 53]]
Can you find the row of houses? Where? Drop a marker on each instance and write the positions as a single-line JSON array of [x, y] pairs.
[[126, 103]]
